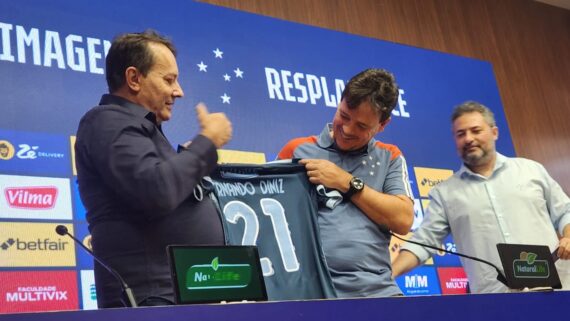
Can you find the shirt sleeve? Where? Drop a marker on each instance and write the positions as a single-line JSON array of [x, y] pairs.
[[288, 151], [432, 231], [397, 180], [139, 164], [557, 201]]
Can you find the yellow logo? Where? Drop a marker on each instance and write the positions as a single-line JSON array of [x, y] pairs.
[[236, 156], [35, 244], [87, 242], [427, 178], [72, 143], [6, 150], [425, 204]]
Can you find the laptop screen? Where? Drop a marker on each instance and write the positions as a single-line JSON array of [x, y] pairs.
[[528, 266], [212, 274]]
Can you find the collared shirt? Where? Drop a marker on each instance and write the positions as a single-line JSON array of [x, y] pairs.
[[518, 203], [355, 248], [139, 196]]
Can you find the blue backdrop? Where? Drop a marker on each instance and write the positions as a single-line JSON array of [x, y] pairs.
[[274, 79]]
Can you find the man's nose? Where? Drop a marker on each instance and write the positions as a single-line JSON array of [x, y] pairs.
[[348, 129], [178, 92], [468, 138]]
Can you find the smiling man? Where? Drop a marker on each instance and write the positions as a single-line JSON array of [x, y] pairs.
[[373, 178], [491, 199], [140, 194]]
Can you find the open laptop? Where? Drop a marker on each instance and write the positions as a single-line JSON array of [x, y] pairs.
[[214, 274], [529, 266]]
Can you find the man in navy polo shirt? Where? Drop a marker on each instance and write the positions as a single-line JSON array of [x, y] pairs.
[[373, 179]]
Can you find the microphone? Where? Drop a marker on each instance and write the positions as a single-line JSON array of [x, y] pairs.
[[500, 276], [127, 292]]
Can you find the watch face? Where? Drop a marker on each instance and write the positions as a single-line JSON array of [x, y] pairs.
[[357, 183]]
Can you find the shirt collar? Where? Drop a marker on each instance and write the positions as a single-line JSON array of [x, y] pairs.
[[138, 110], [500, 162], [326, 141]]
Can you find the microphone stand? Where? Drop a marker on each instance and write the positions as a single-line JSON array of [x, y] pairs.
[[127, 292], [500, 277]]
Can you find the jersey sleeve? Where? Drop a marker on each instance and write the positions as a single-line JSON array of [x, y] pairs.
[[397, 180], [288, 151]]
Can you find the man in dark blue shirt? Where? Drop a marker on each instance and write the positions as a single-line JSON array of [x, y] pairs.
[[140, 194]]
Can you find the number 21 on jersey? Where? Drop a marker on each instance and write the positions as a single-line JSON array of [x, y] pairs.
[[236, 210]]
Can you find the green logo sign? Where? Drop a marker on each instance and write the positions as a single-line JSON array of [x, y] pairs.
[[529, 267], [217, 276]]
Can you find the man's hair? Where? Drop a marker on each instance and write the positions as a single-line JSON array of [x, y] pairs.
[[376, 86], [131, 49], [474, 107]]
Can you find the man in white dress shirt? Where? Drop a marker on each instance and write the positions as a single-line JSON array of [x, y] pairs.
[[491, 199]]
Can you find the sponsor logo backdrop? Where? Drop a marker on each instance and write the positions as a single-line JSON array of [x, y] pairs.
[[452, 280], [43, 198], [274, 79], [88, 294], [35, 244], [38, 291], [420, 281]]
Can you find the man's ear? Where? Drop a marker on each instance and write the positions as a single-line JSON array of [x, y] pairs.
[[495, 130], [133, 78], [383, 125]]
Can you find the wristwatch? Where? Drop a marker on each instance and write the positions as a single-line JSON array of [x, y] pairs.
[[356, 185]]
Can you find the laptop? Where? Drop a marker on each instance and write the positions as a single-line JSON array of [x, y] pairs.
[[214, 274], [529, 266]]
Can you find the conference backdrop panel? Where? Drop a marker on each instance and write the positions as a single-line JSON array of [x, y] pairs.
[[274, 79]]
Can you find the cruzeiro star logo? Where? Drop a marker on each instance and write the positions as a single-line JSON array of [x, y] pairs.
[[213, 65], [7, 244]]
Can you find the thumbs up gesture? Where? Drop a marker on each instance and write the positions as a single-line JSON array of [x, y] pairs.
[[215, 126]]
